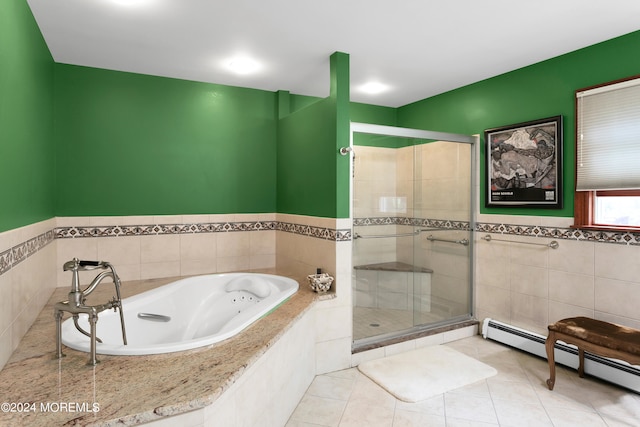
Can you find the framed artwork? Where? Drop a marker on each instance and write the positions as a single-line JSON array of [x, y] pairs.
[[524, 164]]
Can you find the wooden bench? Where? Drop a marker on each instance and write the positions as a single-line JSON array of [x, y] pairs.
[[595, 336]]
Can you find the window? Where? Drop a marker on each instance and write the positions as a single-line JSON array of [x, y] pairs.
[[608, 156]]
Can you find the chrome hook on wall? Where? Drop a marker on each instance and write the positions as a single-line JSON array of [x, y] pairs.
[[345, 150]]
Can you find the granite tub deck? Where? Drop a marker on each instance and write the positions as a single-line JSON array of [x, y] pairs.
[[130, 390]]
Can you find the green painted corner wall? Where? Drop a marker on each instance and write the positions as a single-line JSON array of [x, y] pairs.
[[306, 177], [26, 119], [340, 91], [312, 178], [538, 91], [131, 144], [374, 114], [379, 115]]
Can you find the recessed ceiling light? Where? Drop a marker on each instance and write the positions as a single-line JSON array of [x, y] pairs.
[[374, 88], [243, 65]]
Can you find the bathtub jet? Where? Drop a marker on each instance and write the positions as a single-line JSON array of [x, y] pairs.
[[185, 314]]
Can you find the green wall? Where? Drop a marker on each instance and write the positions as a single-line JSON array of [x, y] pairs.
[[374, 114], [26, 121], [541, 90], [306, 163], [81, 141], [131, 144], [313, 179]]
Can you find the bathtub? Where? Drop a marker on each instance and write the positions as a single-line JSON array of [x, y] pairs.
[[186, 314]]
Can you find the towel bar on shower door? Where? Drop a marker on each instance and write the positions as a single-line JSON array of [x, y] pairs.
[[381, 236]]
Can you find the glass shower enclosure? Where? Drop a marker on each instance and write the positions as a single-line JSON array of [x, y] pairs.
[[413, 217]]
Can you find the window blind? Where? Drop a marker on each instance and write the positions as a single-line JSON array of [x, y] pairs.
[[608, 119]]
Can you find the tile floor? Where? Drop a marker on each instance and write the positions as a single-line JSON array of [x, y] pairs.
[[517, 396]]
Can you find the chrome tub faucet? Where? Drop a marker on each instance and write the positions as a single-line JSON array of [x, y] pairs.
[[76, 304]]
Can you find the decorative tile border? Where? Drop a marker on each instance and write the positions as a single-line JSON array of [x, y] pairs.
[[623, 238], [215, 227], [160, 229], [317, 232], [14, 256]]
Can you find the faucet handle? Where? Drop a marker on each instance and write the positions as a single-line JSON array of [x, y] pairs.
[[77, 265], [70, 265], [90, 263]]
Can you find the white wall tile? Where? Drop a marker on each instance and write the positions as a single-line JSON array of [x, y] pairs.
[[223, 412], [618, 262], [119, 251], [559, 311], [458, 334], [233, 244], [530, 280], [226, 264], [401, 347], [162, 248], [496, 300], [8, 309], [573, 257], [200, 246], [332, 323], [617, 297], [157, 270], [525, 254], [257, 262], [262, 242], [530, 312], [571, 288], [6, 346], [608, 317], [196, 267], [430, 340], [333, 355]]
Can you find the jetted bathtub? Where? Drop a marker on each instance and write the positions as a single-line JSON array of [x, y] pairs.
[[186, 314]]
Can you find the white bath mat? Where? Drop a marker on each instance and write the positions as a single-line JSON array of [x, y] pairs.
[[420, 374]]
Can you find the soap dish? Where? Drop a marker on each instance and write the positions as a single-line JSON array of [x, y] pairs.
[[320, 282]]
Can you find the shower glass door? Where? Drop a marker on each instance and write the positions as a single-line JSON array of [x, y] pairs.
[[412, 222]]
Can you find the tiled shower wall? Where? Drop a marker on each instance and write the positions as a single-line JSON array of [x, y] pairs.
[[426, 182]]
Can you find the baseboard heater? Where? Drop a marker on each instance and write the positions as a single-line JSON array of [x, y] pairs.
[[612, 370]]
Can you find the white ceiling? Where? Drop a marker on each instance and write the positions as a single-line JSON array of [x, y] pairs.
[[419, 48]]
